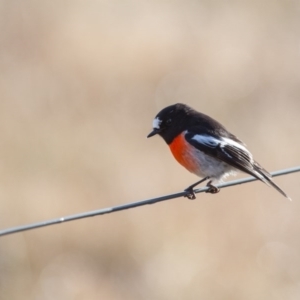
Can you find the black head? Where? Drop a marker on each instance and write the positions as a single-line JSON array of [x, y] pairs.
[[177, 118], [171, 121]]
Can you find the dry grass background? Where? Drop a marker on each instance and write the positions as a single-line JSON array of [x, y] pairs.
[[80, 83]]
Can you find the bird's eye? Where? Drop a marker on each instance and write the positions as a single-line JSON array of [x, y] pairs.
[[169, 121]]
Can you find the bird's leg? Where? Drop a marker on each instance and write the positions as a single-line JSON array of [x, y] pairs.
[[211, 188], [190, 189]]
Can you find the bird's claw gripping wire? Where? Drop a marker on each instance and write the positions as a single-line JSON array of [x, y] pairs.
[[190, 190], [212, 189], [190, 194]]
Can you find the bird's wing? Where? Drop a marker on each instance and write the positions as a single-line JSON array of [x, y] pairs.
[[224, 149], [232, 151]]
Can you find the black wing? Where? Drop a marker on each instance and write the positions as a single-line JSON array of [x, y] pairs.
[[233, 152], [225, 149]]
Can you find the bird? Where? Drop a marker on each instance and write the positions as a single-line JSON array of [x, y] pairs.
[[206, 148]]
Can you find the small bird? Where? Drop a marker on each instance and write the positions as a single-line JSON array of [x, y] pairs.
[[204, 147]]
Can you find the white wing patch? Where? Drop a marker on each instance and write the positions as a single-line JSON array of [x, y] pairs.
[[156, 123], [233, 143], [206, 140], [236, 144], [213, 142]]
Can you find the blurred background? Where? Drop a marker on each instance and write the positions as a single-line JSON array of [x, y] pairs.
[[81, 82]]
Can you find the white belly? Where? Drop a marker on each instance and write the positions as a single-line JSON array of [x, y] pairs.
[[209, 166]]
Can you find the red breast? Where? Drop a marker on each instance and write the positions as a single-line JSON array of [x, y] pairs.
[[184, 153]]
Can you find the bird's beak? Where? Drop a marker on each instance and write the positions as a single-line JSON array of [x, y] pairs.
[[153, 132]]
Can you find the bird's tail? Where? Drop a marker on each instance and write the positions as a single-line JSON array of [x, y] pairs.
[[266, 177]]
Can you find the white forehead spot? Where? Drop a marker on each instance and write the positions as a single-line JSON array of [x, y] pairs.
[[156, 123]]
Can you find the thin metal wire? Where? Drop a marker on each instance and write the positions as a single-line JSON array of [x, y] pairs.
[[133, 204]]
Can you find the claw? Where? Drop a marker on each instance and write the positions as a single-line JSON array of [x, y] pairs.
[[191, 195], [212, 189]]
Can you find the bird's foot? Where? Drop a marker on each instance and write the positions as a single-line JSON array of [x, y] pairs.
[[190, 190], [212, 189], [190, 193]]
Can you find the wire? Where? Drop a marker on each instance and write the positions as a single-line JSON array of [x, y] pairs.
[[133, 204]]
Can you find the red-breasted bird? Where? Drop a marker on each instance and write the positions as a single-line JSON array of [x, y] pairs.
[[204, 147]]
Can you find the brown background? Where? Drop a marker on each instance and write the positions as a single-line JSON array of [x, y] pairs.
[[80, 83]]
